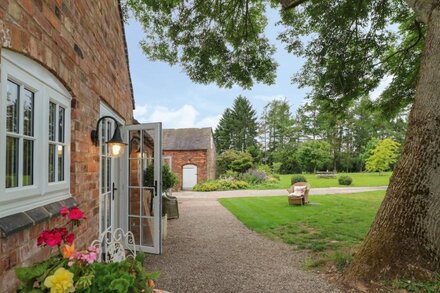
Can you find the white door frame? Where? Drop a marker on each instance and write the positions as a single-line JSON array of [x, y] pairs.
[[157, 198], [114, 178]]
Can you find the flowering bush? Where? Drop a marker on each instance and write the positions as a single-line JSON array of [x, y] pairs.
[[78, 271]]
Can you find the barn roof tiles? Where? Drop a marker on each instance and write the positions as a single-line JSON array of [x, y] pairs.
[[187, 139]]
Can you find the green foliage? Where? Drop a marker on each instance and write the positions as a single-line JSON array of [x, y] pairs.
[[364, 41], [222, 184], [253, 176], [287, 157], [298, 178], [125, 276], [314, 155], [383, 156], [235, 161], [276, 167], [418, 286], [28, 276], [237, 128], [276, 125], [330, 230], [345, 180], [264, 168], [169, 179], [221, 42]]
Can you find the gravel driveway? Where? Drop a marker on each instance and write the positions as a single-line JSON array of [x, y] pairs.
[[209, 250]]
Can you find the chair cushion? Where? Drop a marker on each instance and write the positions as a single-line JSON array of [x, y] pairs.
[[299, 189], [296, 194]]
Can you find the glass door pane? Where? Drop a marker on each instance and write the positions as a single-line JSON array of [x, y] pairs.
[[143, 192]]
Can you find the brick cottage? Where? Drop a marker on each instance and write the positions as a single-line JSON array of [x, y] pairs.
[[191, 153], [63, 66]]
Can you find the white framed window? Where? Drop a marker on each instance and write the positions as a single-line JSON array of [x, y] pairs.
[[34, 135]]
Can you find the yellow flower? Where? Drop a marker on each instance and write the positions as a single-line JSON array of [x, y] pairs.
[[60, 282], [68, 250]]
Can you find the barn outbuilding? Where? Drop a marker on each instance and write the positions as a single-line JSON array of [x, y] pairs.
[[191, 154]]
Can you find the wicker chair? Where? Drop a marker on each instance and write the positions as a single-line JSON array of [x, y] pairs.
[[299, 200]]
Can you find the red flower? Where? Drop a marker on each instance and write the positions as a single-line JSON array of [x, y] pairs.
[[63, 231], [76, 214], [64, 211], [70, 238], [53, 239], [41, 241]]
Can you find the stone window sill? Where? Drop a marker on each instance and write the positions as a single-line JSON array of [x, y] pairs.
[[17, 222]]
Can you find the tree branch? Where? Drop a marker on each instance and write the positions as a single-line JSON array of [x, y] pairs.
[[289, 4]]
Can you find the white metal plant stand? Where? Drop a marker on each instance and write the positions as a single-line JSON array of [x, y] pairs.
[[113, 246]]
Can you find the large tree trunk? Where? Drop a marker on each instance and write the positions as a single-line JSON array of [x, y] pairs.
[[405, 237]]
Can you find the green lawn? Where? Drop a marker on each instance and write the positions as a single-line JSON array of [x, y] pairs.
[[359, 180], [331, 227]]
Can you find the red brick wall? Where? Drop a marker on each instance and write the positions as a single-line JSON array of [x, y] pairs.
[[182, 158], [56, 33]]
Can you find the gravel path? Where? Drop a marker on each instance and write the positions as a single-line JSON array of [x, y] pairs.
[[209, 250]]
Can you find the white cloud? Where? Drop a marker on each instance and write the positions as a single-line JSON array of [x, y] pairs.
[[140, 111], [270, 98], [174, 118], [209, 121], [184, 117]]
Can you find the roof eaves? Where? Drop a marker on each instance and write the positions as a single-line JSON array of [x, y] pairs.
[[126, 52]]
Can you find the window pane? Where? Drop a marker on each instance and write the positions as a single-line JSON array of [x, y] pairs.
[[51, 163], [52, 117], [28, 162], [12, 106], [60, 156], [61, 126], [11, 162], [28, 109]]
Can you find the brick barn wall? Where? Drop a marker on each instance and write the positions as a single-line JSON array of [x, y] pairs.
[[182, 158], [81, 43]]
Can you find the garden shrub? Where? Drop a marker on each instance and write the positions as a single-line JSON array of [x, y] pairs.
[[253, 176], [264, 168], [345, 180], [222, 184], [298, 178], [235, 161], [169, 179], [276, 167], [230, 175]]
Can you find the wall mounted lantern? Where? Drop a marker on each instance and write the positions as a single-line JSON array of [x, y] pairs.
[[116, 145]]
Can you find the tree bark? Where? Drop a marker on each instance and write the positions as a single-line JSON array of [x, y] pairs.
[[405, 237]]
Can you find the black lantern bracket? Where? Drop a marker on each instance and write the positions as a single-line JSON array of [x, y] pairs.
[[116, 139]]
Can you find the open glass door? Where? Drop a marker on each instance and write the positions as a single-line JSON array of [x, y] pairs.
[[141, 204]]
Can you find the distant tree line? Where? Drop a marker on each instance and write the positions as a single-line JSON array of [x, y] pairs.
[[315, 138]]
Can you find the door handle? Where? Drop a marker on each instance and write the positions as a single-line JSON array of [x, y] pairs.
[[113, 191], [155, 187]]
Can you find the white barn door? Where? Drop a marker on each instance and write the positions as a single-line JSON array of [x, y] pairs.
[[189, 177]]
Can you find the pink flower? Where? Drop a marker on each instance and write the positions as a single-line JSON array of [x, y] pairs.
[[76, 214], [64, 211], [69, 238], [90, 257]]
